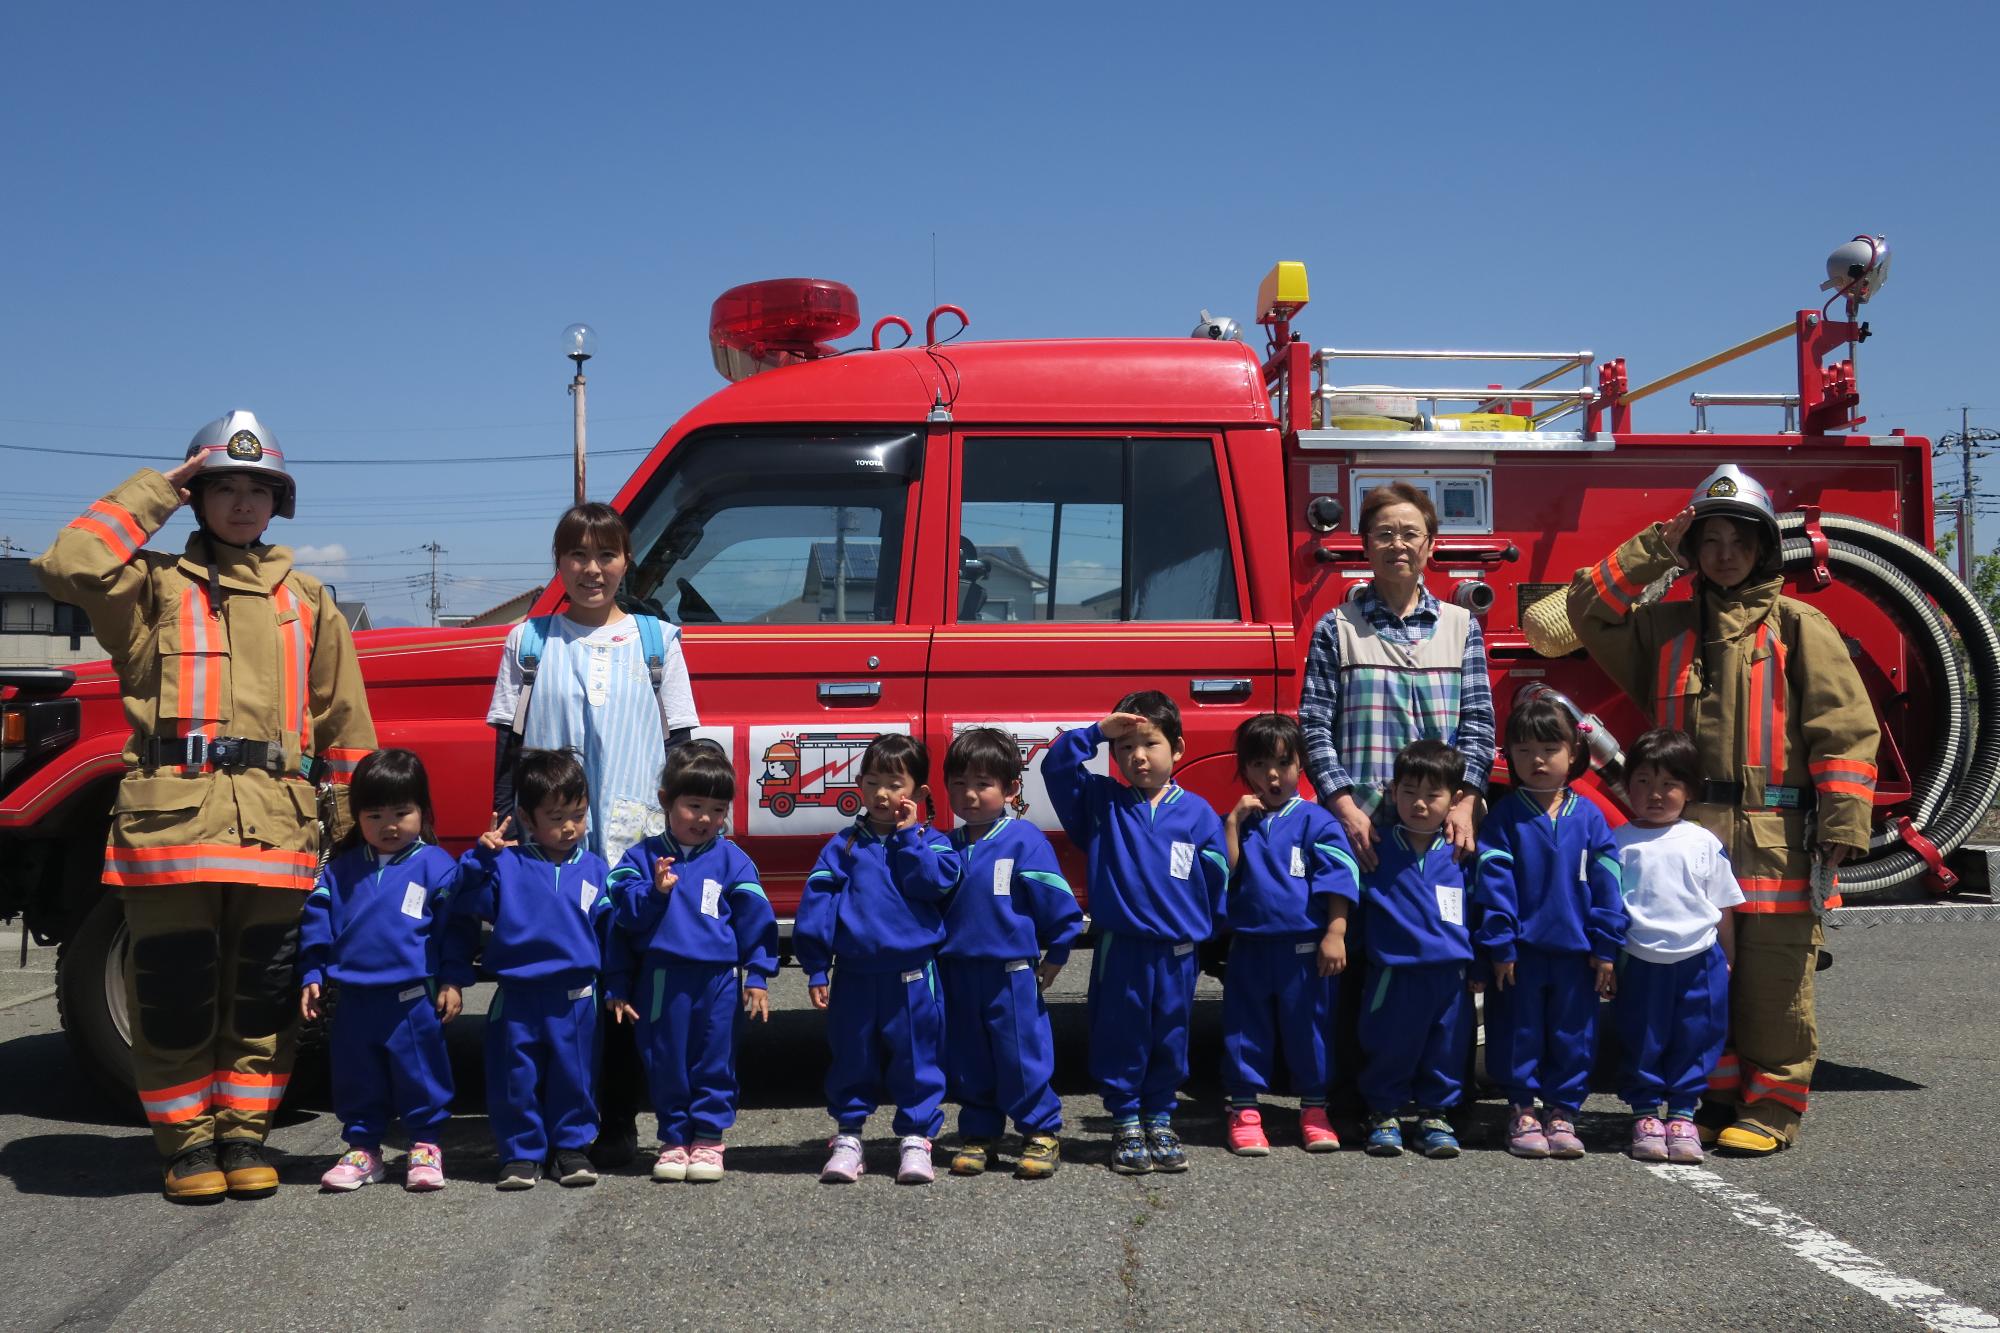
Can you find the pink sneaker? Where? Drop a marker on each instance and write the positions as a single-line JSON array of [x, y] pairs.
[[915, 1167], [843, 1164], [356, 1167], [1649, 1139], [1684, 1144], [1559, 1124], [705, 1160], [672, 1163], [1524, 1133], [1317, 1130], [1246, 1132], [423, 1169]]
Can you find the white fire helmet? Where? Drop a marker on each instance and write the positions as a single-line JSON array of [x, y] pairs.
[[238, 442], [1731, 491]]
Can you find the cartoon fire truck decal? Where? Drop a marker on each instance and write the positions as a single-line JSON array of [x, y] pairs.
[[814, 768]]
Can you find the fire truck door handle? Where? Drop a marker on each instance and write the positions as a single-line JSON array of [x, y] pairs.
[[834, 693], [1230, 687]]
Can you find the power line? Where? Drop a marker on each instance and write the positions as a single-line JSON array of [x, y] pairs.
[[401, 461]]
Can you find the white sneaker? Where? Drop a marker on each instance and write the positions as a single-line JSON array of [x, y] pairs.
[[672, 1163], [705, 1161]]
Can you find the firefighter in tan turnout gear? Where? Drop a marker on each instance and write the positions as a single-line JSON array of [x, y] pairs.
[[240, 681], [1786, 735]]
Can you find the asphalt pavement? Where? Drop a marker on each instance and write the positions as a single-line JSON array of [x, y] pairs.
[[1883, 1218]]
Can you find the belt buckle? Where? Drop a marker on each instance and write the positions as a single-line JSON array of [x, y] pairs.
[[226, 752], [195, 751]]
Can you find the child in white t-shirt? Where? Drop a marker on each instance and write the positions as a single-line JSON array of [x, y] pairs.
[[1673, 980]]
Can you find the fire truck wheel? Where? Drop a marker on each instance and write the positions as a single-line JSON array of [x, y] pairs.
[[849, 804], [91, 1000], [781, 805]]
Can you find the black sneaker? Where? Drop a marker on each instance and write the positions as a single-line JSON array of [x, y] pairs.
[[519, 1175], [1128, 1151], [1164, 1147], [617, 1144], [572, 1168]]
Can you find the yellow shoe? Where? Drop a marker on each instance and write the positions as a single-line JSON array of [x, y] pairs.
[[970, 1160], [195, 1177], [248, 1175], [1746, 1138], [1041, 1154]]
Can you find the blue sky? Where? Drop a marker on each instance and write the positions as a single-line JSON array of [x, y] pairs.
[[370, 222]]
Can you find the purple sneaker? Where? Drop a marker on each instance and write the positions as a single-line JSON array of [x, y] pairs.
[[423, 1169], [1649, 1139], [1559, 1124], [916, 1168], [1684, 1144], [843, 1164], [1524, 1133]]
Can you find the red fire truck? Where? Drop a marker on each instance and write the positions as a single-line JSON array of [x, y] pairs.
[[941, 533]]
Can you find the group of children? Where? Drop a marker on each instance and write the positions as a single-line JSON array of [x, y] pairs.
[[929, 952]]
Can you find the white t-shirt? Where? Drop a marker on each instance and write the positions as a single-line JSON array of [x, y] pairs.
[[1676, 882], [676, 695]]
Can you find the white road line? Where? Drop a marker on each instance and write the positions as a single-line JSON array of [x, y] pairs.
[[1830, 1254], [18, 1001]]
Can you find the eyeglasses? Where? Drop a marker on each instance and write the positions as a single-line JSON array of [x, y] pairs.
[[1398, 536]]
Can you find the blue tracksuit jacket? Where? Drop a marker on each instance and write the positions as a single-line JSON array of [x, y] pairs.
[[1013, 901], [1289, 862]]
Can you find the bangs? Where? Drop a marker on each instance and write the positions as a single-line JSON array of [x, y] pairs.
[[592, 525]]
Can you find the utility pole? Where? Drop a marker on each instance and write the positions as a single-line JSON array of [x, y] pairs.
[[436, 603], [579, 345], [8, 546], [1964, 441]]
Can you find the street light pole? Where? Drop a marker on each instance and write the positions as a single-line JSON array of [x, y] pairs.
[[579, 345]]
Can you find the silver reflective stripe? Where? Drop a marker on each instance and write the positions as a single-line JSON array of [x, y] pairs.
[[580, 993]]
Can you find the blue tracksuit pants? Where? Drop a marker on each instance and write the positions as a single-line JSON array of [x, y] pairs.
[[1541, 1032], [1141, 1005], [885, 1030], [1416, 1036], [687, 1038], [1274, 999], [1672, 1019], [386, 1048], [541, 1048], [1002, 1054]]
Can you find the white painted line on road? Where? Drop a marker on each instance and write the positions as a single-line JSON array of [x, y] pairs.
[[29, 999], [1830, 1254]]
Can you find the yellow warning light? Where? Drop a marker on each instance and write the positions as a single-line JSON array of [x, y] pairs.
[[1282, 294]]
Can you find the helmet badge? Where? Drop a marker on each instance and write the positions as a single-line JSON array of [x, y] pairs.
[[1721, 488], [245, 447]]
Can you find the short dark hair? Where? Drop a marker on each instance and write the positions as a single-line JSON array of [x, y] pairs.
[[1268, 736], [698, 768], [595, 524], [1430, 763], [385, 778], [1396, 493], [1668, 748], [985, 752], [1543, 719], [894, 752], [543, 776], [1157, 708]]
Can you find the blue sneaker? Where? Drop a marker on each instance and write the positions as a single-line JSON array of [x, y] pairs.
[[1164, 1147], [1128, 1150], [1434, 1137], [1385, 1137]]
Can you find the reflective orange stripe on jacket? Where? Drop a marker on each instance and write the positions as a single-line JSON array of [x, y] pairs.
[[1848, 777], [1764, 740], [340, 762], [198, 680], [295, 645], [1617, 588], [1674, 683], [210, 863], [1776, 896], [183, 1101], [114, 526], [239, 1091]]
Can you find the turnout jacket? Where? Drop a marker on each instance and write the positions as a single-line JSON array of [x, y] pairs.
[[717, 913], [1289, 862], [1765, 686], [218, 641], [1551, 882], [551, 919], [875, 903], [371, 922], [1013, 902]]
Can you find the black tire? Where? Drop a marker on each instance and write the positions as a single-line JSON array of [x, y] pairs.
[[781, 804], [91, 1002]]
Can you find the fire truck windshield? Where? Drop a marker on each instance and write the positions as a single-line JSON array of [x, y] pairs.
[[773, 528]]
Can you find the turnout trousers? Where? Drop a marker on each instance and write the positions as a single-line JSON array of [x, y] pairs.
[[214, 1004], [1766, 1071]]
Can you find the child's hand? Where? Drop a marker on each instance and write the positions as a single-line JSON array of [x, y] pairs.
[[908, 812], [1121, 724], [757, 1003], [1503, 975], [309, 1002], [621, 1011], [496, 837], [1332, 954], [664, 877], [817, 994], [1607, 977], [1046, 974], [450, 1003], [1245, 808]]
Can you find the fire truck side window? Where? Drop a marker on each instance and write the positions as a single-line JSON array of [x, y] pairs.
[[774, 529], [1093, 529]]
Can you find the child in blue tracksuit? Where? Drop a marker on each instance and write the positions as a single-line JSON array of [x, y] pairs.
[[689, 904], [551, 948], [873, 912], [1013, 911], [1552, 920], [1157, 875], [1292, 881], [1416, 1020], [371, 926]]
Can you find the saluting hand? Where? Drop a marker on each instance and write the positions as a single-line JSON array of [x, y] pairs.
[[179, 477], [1121, 724], [1675, 531]]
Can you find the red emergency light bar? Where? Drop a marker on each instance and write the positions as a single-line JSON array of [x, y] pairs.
[[779, 322]]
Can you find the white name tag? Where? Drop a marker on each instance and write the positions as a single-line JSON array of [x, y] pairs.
[[1451, 904], [412, 993], [580, 993], [1583, 864], [1298, 863], [1019, 965], [1182, 864], [587, 898], [1003, 877], [909, 977], [711, 898], [413, 901], [1307, 947], [1183, 950]]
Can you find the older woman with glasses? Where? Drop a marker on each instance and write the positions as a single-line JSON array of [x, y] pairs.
[[1390, 665]]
